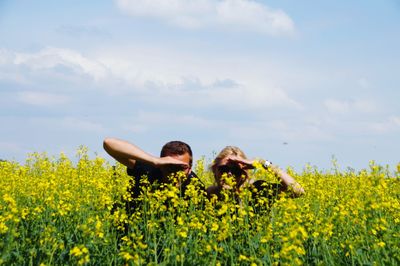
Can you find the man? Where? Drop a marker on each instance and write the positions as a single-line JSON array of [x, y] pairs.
[[175, 156]]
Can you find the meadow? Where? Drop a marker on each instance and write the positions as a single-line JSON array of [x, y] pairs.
[[58, 211]]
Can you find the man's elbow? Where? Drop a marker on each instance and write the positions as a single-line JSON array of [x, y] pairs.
[[108, 143]]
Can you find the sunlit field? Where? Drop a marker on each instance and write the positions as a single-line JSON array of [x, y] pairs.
[[63, 211]]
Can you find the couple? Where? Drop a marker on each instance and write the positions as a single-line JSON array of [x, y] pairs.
[[176, 156]]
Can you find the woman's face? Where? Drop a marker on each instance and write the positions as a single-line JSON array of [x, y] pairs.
[[231, 169]]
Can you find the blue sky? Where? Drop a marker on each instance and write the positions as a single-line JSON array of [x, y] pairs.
[[294, 82]]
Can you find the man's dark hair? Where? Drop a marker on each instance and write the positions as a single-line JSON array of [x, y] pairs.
[[176, 147]]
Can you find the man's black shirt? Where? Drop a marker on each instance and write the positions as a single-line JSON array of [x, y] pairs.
[[154, 175]]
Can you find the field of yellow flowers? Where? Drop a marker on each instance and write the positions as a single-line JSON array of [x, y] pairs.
[[57, 212]]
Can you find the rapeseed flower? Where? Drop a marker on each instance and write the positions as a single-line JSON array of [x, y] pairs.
[[53, 207]]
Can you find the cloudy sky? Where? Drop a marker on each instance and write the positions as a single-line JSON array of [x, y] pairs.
[[291, 81]]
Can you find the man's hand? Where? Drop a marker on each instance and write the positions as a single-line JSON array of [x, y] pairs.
[[170, 162]]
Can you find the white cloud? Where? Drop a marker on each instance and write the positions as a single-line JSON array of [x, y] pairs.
[[208, 81], [347, 106], [80, 124], [42, 98], [50, 57], [171, 119], [68, 123], [6, 57], [365, 106], [233, 97], [235, 129], [180, 12], [390, 124], [303, 129], [143, 73], [244, 15], [249, 97], [336, 106], [253, 16], [7, 68]]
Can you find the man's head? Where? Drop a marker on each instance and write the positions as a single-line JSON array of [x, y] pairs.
[[180, 151]]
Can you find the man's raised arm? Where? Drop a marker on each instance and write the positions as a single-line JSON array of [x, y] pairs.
[[127, 153]]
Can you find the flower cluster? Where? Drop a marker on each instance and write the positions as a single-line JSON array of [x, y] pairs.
[[54, 211]]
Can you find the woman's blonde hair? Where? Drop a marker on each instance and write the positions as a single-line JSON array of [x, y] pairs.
[[227, 151]]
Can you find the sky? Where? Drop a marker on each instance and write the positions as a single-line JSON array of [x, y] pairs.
[[295, 82]]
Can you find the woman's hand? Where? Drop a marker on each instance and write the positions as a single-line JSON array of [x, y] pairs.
[[243, 163]]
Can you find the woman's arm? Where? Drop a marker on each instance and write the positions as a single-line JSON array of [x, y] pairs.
[[287, 180]]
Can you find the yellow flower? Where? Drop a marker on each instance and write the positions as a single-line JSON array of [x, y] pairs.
[[179, 220], [126, 256], [75, 251], [3, 228], [223, 209], [214, 226], [182, 233]]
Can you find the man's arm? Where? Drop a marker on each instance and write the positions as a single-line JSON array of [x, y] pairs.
[[128, 153]]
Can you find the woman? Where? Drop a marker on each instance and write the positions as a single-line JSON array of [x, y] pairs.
[[231, 162]]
